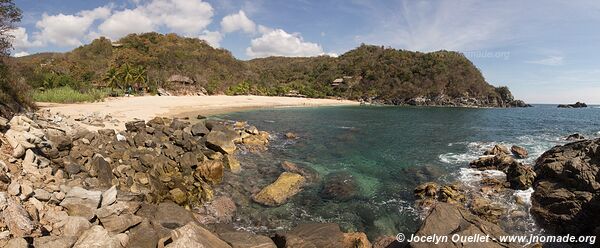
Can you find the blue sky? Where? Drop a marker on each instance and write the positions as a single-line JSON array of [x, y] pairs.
[[545, 51]]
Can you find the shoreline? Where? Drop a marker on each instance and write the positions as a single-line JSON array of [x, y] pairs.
[[124, 109]]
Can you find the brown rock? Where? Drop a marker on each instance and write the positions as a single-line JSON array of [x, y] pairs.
[[247, 240], [193, 235], [17, 219], [211, 171], [287, 185], [519, 152], [219, 141], [497, 150]]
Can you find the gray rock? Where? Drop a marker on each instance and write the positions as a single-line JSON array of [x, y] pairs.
[[42, 195], [14, 188], [82, 202], [75, 226], [109, 196], [103, 169], [199, 129], [54, 241], [143, 236], [97, 237]]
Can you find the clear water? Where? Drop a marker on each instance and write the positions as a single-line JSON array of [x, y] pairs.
[[388, 151]]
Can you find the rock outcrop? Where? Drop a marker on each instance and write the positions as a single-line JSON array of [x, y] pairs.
[[567, 188], [574, 105], [446, 220]]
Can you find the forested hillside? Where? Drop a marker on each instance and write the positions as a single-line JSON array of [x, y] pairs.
[[149, 61]]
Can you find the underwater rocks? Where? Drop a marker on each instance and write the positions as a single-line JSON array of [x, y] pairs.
[[567, 188], [277, 193], [339, 186]]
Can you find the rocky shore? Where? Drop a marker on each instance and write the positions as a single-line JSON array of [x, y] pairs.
[[161, 183]]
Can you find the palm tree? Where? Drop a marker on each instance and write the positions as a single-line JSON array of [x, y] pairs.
[[127, 74], [112, 78], [139, 76]]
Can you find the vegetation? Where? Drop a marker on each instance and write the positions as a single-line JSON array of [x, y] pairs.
[[68, 95], [146, 61], [13, 92]]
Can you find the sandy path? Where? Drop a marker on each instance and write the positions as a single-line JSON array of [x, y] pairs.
[[124, 109]]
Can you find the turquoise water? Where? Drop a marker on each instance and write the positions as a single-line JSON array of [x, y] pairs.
[[387, 151]]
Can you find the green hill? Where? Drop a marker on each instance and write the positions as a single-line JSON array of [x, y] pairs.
[[370, 73]]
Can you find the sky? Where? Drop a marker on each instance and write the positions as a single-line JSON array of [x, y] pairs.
[[544, 51]]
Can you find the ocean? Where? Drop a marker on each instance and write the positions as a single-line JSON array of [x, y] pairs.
[[386, 151]]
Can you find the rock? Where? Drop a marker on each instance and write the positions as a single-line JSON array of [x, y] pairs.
[[452, 194], [387, 242], [54, 241], [446, 220], [143, 236], [193, 235], [81, 202], [232, 163], [178, 196], [119, 217], [211, 171], [518, 151], [308, 173], [16, 243], [200, 117], [3, 123], [497, 150], [166, 217], [340, 186], [520, 176], [495, 162], [291, 135], [252, 130], [199, 129], [97, 237], [14, 188], [575, 105], [246, 240], [426, 190], [218, 141], [109, 196], [487, 209], [321, 235], [221, 210], [17, 219], [103, 169], [75, 226], [176, 124], [566, 194], [261, 139], [287, 185], [59, 139], [574, 137], [42, 195], [135, 126]]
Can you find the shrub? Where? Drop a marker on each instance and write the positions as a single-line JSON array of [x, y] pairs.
[[69, 95]]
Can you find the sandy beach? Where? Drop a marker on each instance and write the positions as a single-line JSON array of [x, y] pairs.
[[123, 109]]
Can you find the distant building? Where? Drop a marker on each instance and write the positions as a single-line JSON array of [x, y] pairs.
[[116, 45]]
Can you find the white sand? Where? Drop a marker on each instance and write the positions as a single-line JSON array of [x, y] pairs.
[[147, 107]]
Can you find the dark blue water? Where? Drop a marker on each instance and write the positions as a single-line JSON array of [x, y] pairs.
[[388, 151]]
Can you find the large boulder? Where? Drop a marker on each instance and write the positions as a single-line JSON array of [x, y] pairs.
[[220, 142], [82, 202], [98, 237], [497, 150], [520, 176], [567, 188], [447, 220], [321, 235], [493, 162], [287, 185], [339, 186], [17, 219], [193, 235]]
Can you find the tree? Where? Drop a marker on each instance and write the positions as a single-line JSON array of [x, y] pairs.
[[9, 15], [112, 78], [126, 72], [139, 77]]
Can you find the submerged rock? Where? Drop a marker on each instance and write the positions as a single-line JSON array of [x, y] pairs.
[[277, 193], [339, 186], [567, 188]]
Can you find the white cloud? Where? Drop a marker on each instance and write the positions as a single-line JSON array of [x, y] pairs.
[[238, 21], [280, 43], [550, 60], [125, 22], [20, 54], [186, 17], [20, 40], [213, 38], [68, 30]]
